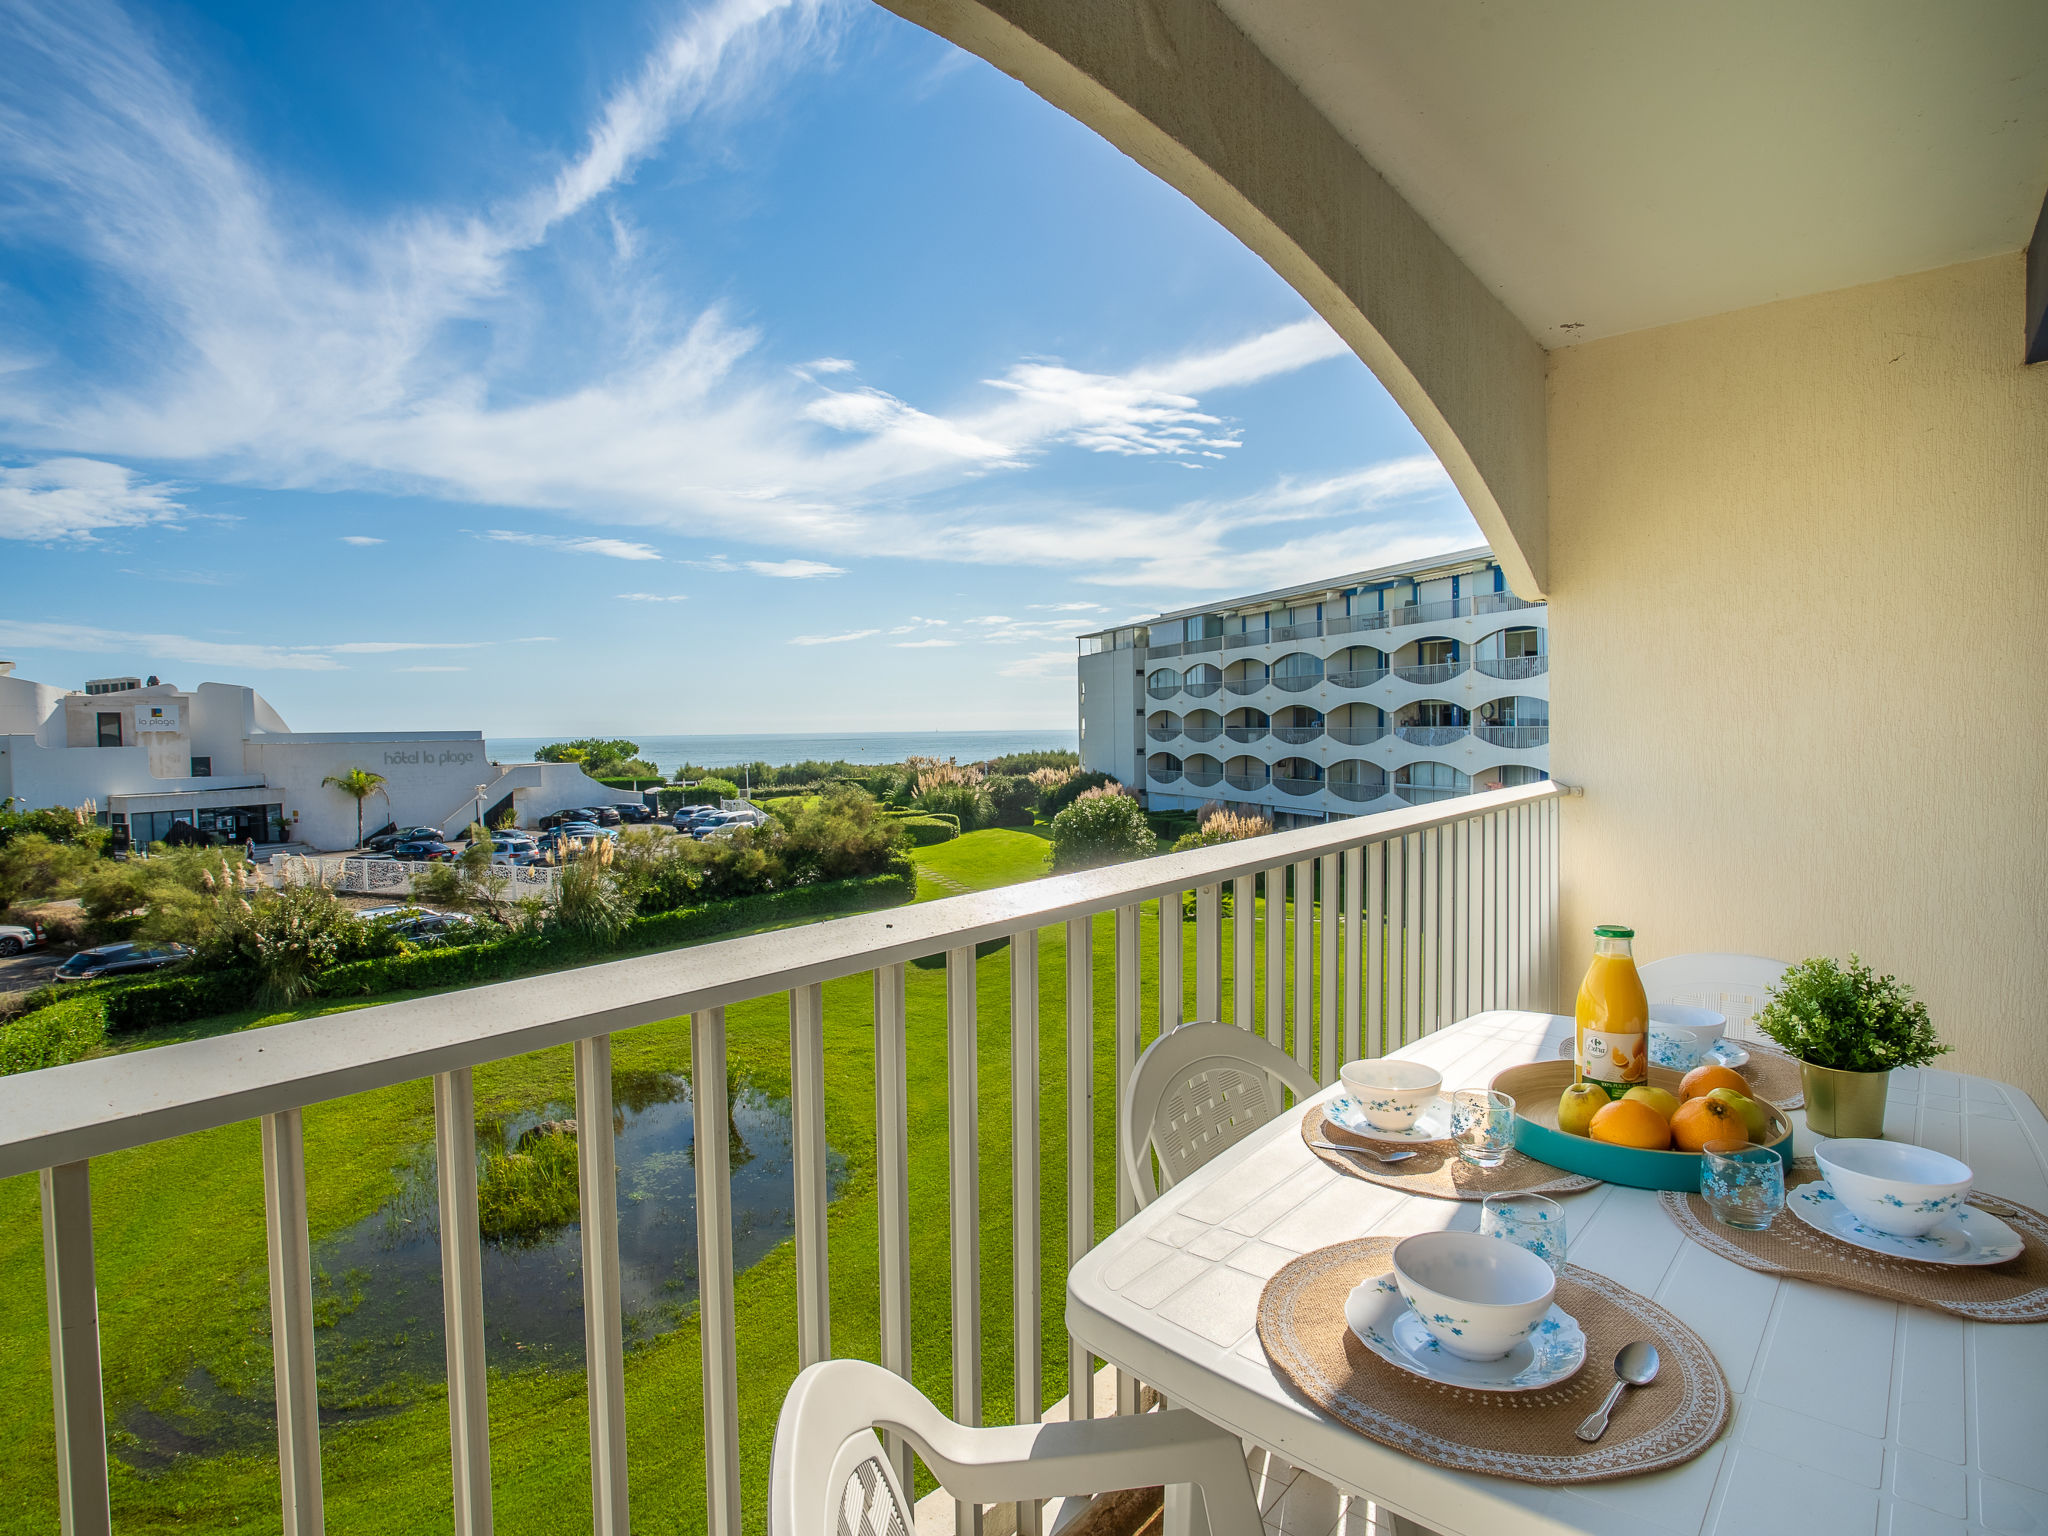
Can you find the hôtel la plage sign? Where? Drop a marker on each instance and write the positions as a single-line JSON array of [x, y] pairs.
[[426, 757]]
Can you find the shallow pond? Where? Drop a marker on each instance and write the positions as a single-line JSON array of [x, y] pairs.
[[377, 1286]]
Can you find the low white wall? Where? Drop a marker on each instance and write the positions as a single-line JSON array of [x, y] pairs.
[[424, 779]]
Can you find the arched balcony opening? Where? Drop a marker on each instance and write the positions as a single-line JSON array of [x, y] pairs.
[[1202, 770], [1298, 776], [1431, 723], [1519, 723], [1247, 724], [1297, 725], [1163, 768], [1246, 774], [1356, 666], [1203, 680], [1162, 725], [1297, 672], [1426, 783], [1163, 682], [1357, 725], [1356, 781], [1202, 725], [1520, 651], [1430, 659], [1508, 776], [1242, 677]]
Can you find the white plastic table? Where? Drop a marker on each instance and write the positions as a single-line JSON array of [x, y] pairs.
[[1851, 1415]]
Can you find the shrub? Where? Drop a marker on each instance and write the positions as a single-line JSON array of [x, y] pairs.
[[1010, 798], [924, 831], [285, 938], [1054, 798], [1034, 762], [1220, 826], [67, 1030], [1846, 1018], [703, 792], [59, 823], [967, 803], [1103, 826], [175, 999], [645, 781], [589, 906]]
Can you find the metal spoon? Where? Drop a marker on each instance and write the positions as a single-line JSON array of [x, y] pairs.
[[1378, 1157], [1636, 1365]]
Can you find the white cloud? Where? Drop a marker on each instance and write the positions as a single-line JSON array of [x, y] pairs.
[[430, 669], [826, 365], [793, 570], [923, 645], [1042, 664], [615, 549], [916, 624], [851, 634], [652, 597], [67, 498], [1067, 607], [141, 649], [360, 540], [386, 647]]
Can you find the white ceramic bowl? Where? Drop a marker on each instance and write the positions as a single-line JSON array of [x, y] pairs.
[[1391, 1094], [1477, 1296], [1680, 1037], [1893, 1186]]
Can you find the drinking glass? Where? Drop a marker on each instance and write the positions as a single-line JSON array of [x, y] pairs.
[[1483, 1125], [1534, 1222], [1744, 1186]]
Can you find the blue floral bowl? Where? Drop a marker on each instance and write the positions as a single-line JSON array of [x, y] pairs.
[[1893, 1186], [1478, 1297], [1391, 1094]]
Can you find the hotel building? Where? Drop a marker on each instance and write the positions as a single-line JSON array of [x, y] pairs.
[[1400, 686]]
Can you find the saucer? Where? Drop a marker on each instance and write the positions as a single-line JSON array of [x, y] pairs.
[[1971, 1236], [1433, 1124], [1388, 1326]]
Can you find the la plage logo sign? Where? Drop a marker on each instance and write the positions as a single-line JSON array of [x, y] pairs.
[[449, 759]]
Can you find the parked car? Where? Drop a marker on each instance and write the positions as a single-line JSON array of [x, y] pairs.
[[687, 816], [384, 842], [639, 815], [418, 850], [16, 937], [602, 815], [416, 922], [121, 960]]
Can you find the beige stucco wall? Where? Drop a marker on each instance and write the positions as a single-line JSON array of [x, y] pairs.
[[1798, 557]]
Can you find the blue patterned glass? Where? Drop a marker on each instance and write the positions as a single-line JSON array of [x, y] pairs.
[[1743, 1186], [1483, 1126], [1534, 1222]]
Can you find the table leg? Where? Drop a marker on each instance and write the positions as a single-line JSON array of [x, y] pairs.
[[1185, 1514]]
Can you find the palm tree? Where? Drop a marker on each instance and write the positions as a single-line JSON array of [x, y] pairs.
[[358, 784]]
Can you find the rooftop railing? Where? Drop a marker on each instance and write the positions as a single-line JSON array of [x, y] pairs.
[[1396, 926]]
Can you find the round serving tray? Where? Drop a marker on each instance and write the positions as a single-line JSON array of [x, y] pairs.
[[1536, 1088]]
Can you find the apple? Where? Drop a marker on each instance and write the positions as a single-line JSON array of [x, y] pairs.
[[1666, 1104], [1747, 1110], [1576, 1109]]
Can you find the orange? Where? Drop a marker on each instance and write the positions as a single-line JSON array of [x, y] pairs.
[[1704, 1080], [1631, 1123], [1700, 1121]]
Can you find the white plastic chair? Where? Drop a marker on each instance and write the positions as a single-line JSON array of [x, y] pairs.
[[1198, 1091], [829, 1476], [1735, 985]]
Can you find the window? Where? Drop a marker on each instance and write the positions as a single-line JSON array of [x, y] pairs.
[[1521, 642], [110, 728], [1436, 653], [202, 768]]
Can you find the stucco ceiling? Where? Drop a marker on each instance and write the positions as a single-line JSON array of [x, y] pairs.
[[1607, 165]]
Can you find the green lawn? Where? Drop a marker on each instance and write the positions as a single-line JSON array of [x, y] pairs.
[[179, 1228]]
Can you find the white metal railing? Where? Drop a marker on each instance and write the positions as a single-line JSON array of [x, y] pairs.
[[1430, 735], [1356, 677], [1520, 737], [1296, 735], [1398, 923], [1513, 666], [1357, 735], [1246, 732], [1347, 789], [1245, 684], [1430, 672], [394, 877]]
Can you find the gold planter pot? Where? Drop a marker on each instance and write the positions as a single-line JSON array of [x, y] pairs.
[[1843, 1103]]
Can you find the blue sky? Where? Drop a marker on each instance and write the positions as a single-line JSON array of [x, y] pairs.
[[636, 368]]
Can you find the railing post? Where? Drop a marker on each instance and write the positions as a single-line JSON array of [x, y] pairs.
[[1128, 1003], [892, 1188], [83, 1505], [807, 1136], [291, 1322], [1027, 1327], [963, 1130], [1172, 960], [1304, 961], [1080, 1140], [1375, 1041], [1354, 950], [1244, 915], [462, 1301], [1430, 845], [711, 1152], [1327, 1068], [597, 1186], [1413, 917], [1276, 956], [1209, 952]]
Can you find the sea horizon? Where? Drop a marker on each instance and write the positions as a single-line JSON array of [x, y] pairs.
[[668, 753]]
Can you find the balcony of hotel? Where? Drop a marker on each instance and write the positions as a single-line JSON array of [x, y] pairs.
[[1358, 783], [1298, 776], [1297, 672], [1202, 680], [1202, 725], [1247, 775], [1431, 659], [1163, 768], [1297, 725], [1431, 723], [1245, 677], [1202, 771], [1356, 666], [1520, 724], [1247, 724], [1513, 653], [1357, 725], [1163, 682], [1162, 725]]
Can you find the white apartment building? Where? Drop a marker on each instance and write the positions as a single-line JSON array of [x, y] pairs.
[[1400, 686], [150, 755]]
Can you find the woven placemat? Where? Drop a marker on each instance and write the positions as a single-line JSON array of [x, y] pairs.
[[1773, 1074], [2013, 1292], [1527, 1436], [1436, 1170]]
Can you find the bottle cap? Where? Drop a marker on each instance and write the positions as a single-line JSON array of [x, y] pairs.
[[1613, 931]]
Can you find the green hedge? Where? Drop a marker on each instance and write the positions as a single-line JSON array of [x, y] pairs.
[[924, 831], [632, 783], [147, 1004], [51, 1036], [696, 794]]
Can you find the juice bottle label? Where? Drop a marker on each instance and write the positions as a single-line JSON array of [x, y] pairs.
[[1615, 1062]]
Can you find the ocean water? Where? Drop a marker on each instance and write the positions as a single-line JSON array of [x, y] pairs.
[[670, 752]]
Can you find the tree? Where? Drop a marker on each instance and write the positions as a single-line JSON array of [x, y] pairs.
[[358, 784], [1103, 826], [616, 758]]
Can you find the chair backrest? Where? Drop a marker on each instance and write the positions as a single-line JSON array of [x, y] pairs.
[[829, 1474], [1735, 985], [1196, 1092]]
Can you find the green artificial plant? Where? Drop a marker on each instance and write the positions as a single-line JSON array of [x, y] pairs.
[[1848, 1019]]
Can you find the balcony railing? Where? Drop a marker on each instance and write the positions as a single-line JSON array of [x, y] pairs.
[[1500, 602], [1430, 672], [1201, 732], [1357, 677], [1245, 684], [1202, 778], [1246, 732], [1160, 775], [1248, 782], [1162, 690], [1295, 735], [1482, 931], [1429, 794], [1206, 643], [1163, 651], [1203, 690], [1430, 735], [1425, 613], [1357, 735], [1288, 785], [1307, 629], [1519, 737], [1249, 637], [1296, 682], [1162, 732], [1513, 666], [1354, 623], [1344, 789]]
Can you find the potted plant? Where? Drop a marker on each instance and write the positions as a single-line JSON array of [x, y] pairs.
[[1848, 1028]]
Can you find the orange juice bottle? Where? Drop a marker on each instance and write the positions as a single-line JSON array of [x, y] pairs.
[[1614, 1016]]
